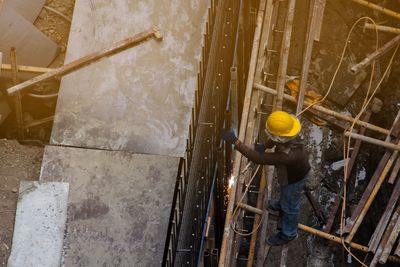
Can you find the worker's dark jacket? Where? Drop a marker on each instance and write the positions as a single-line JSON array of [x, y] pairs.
[[292, 165]]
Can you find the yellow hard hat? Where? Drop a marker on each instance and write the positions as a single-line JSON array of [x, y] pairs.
[[281, 123]]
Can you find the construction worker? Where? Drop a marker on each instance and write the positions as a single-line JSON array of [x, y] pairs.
[[291, 162]]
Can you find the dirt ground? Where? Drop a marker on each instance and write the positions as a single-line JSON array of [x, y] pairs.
[[18, 163], [21, 162]]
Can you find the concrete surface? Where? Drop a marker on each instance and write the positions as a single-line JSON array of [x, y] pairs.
[[119, 204], [33, 47], [139, 100], [39, 224], [28, 9]]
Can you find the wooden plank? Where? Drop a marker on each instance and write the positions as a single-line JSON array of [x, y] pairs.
[[395, 172], [386, 237], [30, 69], [372, 195], [397, 251], [383, 222], [263, 248], [378, 8], [321, 10], [389, 245], [225, 256], [339, 240], [284, 54], [258, 217], [17, 97], [284, 255], [309, 42], [84, 61], [373, 141], [374, 179], [382, 28], [325, 110]]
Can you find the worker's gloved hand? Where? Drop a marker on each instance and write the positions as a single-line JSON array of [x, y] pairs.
[[260, 148], [229, 135]]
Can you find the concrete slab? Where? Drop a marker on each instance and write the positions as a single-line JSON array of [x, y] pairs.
[[39, 225], [28, 9], [119, 204], [139, 100], [33, 47]]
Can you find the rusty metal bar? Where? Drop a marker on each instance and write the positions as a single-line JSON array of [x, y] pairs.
[[284, 54], [325, 110], [84, 61], [375, 55]]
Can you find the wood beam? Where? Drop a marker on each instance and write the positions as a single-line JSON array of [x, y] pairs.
[[378, 8], [86, 60], [29, 69], [284, 54], [375, 55]]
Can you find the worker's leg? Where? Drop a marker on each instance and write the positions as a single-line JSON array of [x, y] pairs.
[[290, 207]]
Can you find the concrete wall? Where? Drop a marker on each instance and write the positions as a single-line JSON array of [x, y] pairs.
[[139, 100]]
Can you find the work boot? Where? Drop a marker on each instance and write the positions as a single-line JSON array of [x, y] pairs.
[[279, 239], [273, 205]]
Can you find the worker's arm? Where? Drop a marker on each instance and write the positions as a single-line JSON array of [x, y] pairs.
[[274, 158]]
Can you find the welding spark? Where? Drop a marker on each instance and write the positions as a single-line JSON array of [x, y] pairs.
[[231, 181]]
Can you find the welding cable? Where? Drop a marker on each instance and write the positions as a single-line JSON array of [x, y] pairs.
[[240, 231], [339, 65]]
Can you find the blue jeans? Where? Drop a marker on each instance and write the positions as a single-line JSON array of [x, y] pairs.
[[289, 204]]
